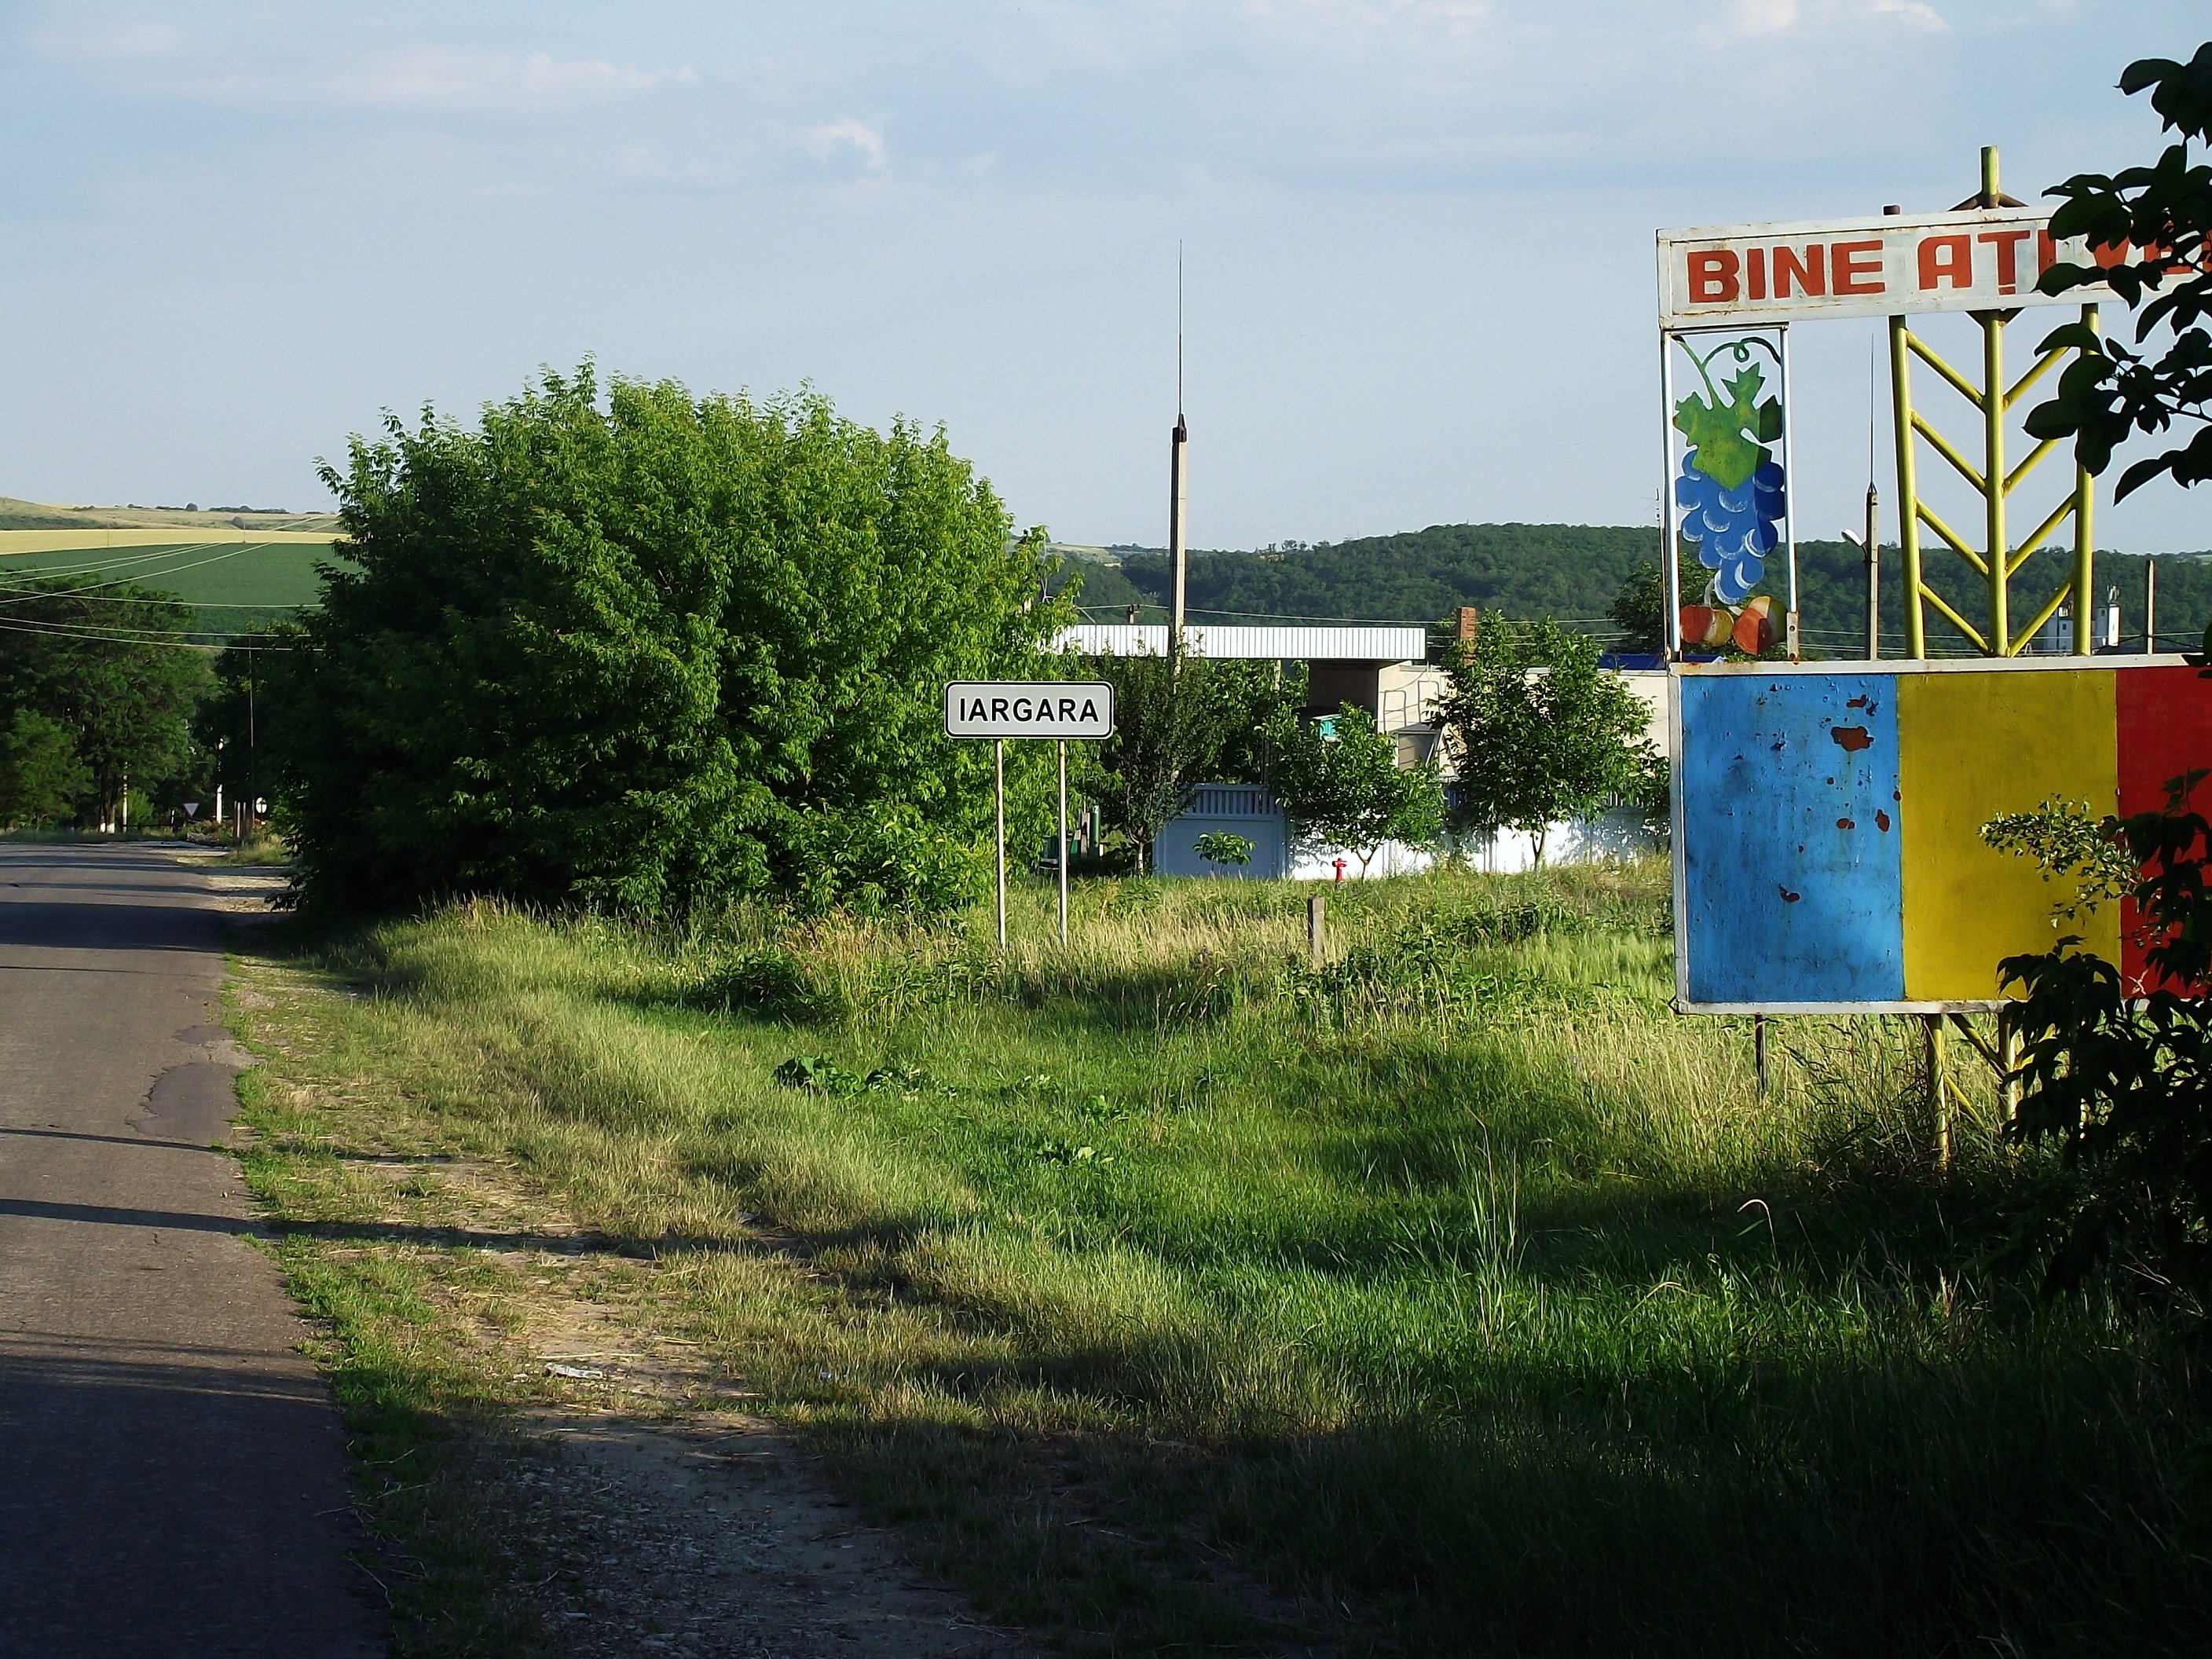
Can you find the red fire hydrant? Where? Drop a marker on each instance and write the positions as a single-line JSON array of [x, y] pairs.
[[1339, 870]]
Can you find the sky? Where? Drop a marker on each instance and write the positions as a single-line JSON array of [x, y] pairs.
[[1417, 234]]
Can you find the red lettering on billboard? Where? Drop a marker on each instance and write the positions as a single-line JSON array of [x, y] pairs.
[[1713, 277], [1855, 268], [2007, 243], [1755, 271], [1946, 260], [1808, 270]]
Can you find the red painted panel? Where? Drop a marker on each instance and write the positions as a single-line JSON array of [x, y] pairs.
[[2165, 717]]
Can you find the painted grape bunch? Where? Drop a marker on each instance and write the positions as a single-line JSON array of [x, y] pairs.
[[1730, 489], [1734, 529]]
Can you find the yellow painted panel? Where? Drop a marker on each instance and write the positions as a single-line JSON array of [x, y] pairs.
[[1973, 745]]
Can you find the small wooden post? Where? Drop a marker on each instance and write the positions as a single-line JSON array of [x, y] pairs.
[[1314, 943], [1938, 1090], [998, 778], [2009, 1063]]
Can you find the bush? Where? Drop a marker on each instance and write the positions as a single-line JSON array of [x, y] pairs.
[[648, 652]]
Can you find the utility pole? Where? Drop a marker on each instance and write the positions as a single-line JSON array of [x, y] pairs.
[[2150, 605], [1874, 573], [1178, 490], [1178, 554], [252, 776]]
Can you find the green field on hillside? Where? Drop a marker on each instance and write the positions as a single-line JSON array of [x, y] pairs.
[[235, 586], [16, 514]]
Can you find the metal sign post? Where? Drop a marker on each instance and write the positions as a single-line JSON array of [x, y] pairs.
[[1983, 257], [1841, 909], [1063, 859], [998, 793], [1005, 709]]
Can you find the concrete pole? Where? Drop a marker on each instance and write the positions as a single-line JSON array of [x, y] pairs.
[[1178, 553], [1874, 573]]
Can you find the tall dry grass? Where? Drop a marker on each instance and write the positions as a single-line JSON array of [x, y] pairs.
[[1458, 1282]]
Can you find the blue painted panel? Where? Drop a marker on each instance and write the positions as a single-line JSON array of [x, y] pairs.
[[1792, 889]]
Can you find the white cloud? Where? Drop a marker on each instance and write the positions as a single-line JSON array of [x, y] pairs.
[[124, 42], [418, 78], [1912, 11], [827, 140], [1450, 17], [439, 78], [1754, 17], [1765, 16]]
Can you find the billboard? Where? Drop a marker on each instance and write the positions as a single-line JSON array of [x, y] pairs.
[[1754, 276], [1828, 820]]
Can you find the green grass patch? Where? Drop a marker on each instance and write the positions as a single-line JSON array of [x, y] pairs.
[[1455, 1296], [233, 586]]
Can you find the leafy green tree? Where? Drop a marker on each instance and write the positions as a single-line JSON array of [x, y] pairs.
[[41, 775], [108, 664], [1640, 608], [648, 651], [1339, 784], [1220, 847], [2118, 1077], [1540, 731], [2109, 393], [1174, 727]]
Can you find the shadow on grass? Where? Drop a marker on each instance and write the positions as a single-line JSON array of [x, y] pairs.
[[1994, 1505], [366, 1232]]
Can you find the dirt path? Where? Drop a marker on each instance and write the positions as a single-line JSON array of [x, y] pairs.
[[626, 1499]]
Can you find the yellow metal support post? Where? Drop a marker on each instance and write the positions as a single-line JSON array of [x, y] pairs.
[[2085, 500], [1908, 491], [1993, 485], [1996, 562]]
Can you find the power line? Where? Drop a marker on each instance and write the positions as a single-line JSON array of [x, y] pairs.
[[167, 550], [86, 593], [136, 636]]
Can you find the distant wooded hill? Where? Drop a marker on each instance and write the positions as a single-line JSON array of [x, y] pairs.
[[1572, 572]]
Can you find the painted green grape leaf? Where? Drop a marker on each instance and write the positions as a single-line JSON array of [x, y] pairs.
[[1729, 439]]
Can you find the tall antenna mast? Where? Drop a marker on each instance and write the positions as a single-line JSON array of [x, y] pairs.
[[1178, 486]]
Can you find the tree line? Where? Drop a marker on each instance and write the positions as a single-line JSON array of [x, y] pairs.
[[1574, 573]]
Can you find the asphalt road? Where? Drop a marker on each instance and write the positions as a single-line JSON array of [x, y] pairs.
[[171, 1471]]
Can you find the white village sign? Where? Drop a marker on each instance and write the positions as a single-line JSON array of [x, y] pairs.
[[1053, 709], [1016, 708]]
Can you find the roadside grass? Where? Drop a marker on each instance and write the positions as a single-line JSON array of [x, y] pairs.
[[265, 850], [1453, 1296]]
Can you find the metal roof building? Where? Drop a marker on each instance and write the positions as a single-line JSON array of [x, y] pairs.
[[1370, 644]]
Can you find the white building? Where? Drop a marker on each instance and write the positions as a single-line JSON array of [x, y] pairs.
[[1384, 670]]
